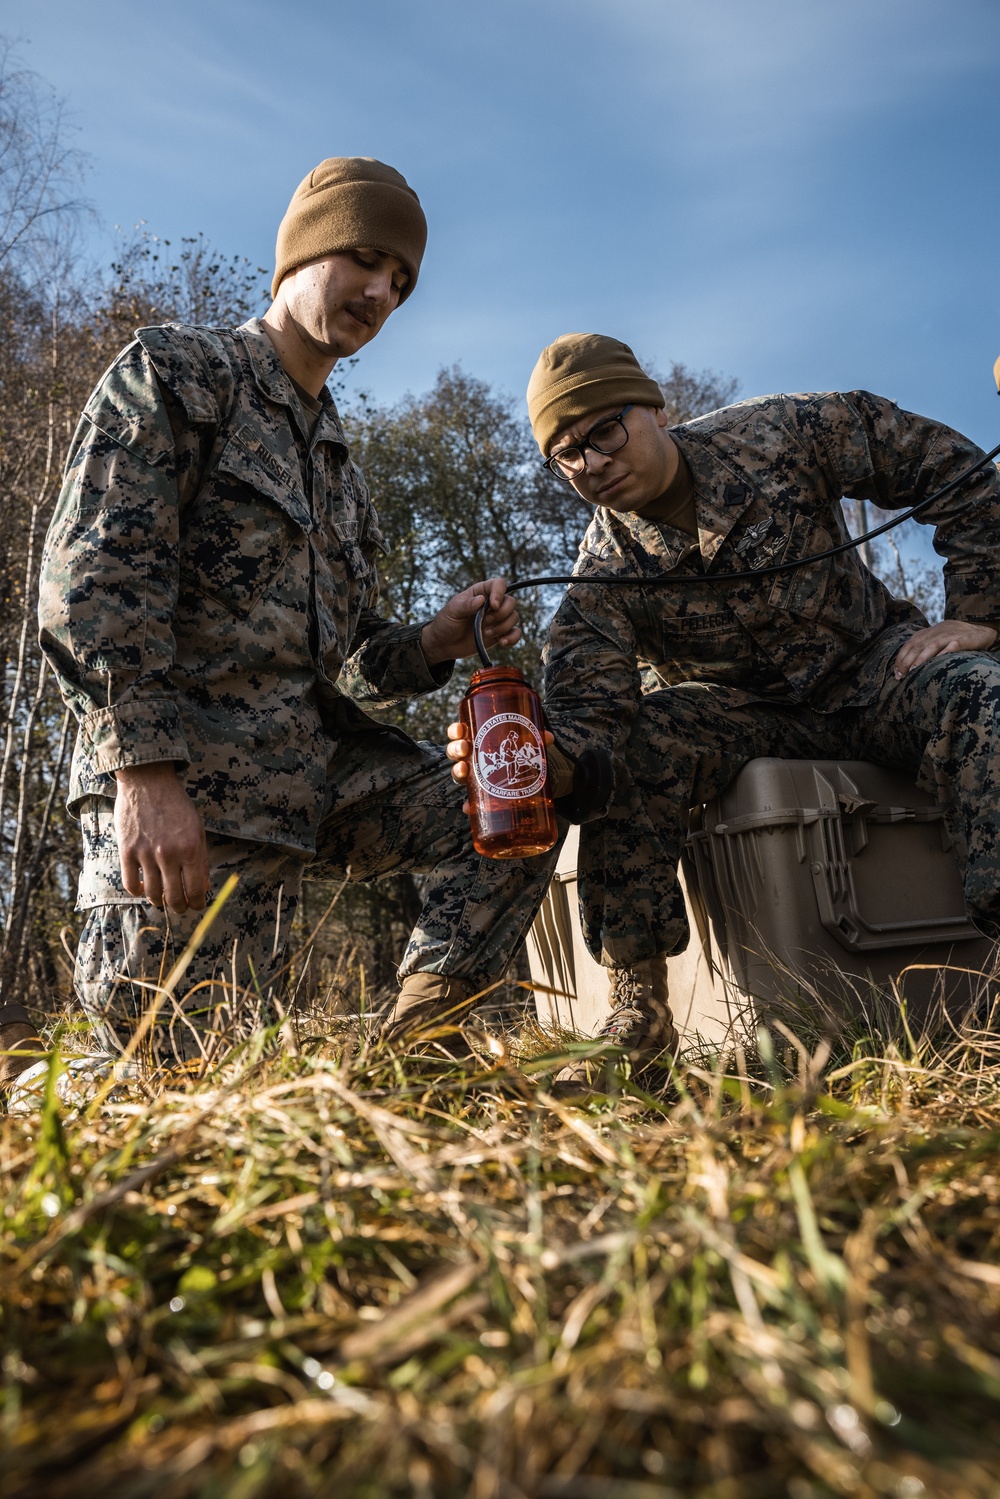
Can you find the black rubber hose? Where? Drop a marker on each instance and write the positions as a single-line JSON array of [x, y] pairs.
[[662, 580], [477, 630]]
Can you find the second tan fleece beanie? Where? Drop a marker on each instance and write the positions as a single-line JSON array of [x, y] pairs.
[[346, 203], [580, 373]]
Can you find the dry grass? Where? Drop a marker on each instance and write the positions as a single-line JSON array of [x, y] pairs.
[[333, 1274]]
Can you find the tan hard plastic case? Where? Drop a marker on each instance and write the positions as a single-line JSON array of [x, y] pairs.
[[818, 885]]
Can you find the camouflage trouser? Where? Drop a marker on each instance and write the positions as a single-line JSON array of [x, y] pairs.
[[475, 912], [942, 721], [128, 947]]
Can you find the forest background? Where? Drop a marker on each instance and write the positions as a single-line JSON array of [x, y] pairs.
[[454, 473]]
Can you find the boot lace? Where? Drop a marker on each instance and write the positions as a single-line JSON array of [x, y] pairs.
[[626, 989]]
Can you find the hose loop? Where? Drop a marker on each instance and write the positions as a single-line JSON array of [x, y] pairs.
[[477, 630]]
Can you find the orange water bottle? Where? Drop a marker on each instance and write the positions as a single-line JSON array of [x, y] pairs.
[[512, 812]]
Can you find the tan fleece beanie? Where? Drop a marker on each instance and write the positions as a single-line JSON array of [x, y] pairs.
[[348, 202], [580, 373]]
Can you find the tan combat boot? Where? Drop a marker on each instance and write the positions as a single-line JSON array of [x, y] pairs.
[[21, 1039], [640, 1024], [430, 1008]]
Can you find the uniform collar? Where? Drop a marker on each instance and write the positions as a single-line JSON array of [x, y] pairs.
[[722, 492], [653, 546], [273, 382]]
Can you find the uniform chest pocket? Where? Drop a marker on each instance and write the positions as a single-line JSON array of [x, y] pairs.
[[700, 644], [238, 531], [833, 590], [803, 590]]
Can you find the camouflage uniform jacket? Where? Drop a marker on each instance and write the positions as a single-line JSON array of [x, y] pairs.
[[209, 578], [769, 475]]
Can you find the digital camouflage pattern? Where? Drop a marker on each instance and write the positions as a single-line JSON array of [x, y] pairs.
[[475, 911], [209, 580], [686, 683], [128, 947], [208, 596]]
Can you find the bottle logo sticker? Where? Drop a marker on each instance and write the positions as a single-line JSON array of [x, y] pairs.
[[508, 760]]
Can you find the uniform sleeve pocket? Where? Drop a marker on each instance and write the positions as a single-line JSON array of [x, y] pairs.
[[360, 569]]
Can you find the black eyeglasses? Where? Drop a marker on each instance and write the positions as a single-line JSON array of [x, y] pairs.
[[607, 436]]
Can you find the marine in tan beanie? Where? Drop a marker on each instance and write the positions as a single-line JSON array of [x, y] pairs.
[[234, 763], [346, 203], [348, 253], [601, 422], [582, 373]]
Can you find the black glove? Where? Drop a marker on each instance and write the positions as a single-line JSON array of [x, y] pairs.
[[585, 784]]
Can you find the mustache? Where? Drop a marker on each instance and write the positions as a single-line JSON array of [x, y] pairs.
[[365, 311]]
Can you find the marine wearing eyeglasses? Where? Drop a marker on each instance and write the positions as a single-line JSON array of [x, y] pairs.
[[606, 436], [683, 684], [658, 462]]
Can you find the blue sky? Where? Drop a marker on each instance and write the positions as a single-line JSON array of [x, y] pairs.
[[798, 193]]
